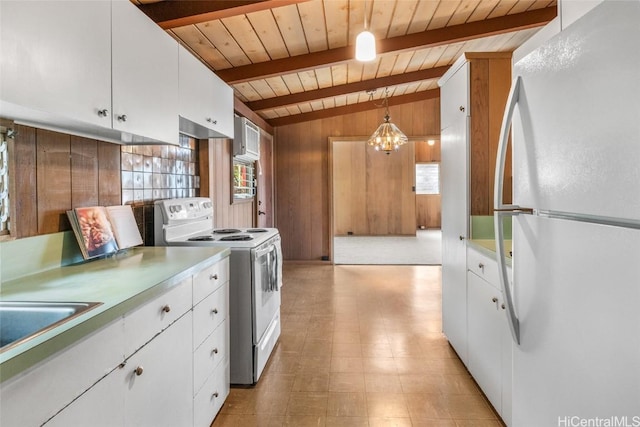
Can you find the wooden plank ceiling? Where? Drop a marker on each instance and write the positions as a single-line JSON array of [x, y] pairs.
[[293, 60]]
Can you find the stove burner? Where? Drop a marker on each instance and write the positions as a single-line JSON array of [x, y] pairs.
[[237, 238], [257, 230], [226, 231], [200, 238]]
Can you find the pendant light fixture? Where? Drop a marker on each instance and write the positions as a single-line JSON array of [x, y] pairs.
[[387, 137], [365, 42]]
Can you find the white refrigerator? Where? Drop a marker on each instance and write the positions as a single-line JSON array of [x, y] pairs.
[[574, 302]]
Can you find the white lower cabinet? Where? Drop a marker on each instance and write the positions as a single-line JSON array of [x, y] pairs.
[[484, 337], [142, 370], [211, 373], [100, 406], [33, 397], [209, 400], [157, 380], [151, 388], [488, 337]]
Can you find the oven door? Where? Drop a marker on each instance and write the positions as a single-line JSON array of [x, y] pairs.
[[266, 286]]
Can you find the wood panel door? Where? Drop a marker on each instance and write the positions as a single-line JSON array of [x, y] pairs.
[[265, 214], [391, 201], [372, 192], [349, 188]]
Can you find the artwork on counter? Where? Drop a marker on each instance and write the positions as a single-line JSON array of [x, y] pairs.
[[104, 230]]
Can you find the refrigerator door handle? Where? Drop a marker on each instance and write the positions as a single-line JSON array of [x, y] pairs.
[[501, 209], [503, 142], [512, 318]]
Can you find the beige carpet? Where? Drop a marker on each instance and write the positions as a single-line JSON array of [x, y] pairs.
[[423, 249]]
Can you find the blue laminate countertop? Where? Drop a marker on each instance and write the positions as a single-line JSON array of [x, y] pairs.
[[121, 283]]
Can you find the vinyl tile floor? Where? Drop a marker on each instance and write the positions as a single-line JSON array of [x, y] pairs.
[[360, 345]]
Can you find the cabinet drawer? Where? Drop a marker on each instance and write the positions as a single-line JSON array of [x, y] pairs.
[[144, 323], [209, 400], [206, 357], [483, 266], [209, 314], [210, 279]]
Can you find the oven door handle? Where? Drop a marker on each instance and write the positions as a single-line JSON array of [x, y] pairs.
[[264, 251]]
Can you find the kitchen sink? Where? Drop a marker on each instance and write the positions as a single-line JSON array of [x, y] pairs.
[[21, 321]]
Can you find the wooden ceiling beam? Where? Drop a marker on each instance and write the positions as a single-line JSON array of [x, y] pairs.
[[353, 108], [425, 39], [172, 14], [362, 86], [241, 109]]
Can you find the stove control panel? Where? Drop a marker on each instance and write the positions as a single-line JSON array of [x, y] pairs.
[[186, 209]]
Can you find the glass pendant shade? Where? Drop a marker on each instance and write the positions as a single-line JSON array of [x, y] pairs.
[[387, 137], [365, 46]]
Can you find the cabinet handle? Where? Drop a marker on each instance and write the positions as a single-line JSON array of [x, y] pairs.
[[214, 351], [494, 299], [214, 311], [503, 307], [481, 266], [461, 237], [139, 370], [103, 112], [213, 277], [122, 118], [166, 308], [462, 108], [215, 395], [210, 120]]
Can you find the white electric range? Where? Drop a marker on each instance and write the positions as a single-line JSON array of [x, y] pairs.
[[255, 277]]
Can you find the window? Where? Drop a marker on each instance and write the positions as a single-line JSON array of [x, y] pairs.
[[244, 180], [427, 178]]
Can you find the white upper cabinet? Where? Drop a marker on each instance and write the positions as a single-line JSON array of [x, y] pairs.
[[569, 11], [145, 76], [56, 58], [454, 99], [572, 10], [206, 102], [98, 68]]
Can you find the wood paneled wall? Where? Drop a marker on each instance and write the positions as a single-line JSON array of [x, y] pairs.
[[302, 170], [55, 172], [489, 89], [216, 163]]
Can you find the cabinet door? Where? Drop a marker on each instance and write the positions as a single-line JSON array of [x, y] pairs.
[[572, 10], [454, 97], [56, 58], [36, 395], [486, 322], [145, 76], [206, 102], [101, 406], [222, 107], [454, 233], [158, 380]]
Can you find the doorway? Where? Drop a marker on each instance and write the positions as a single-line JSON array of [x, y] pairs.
[[374, 215]]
